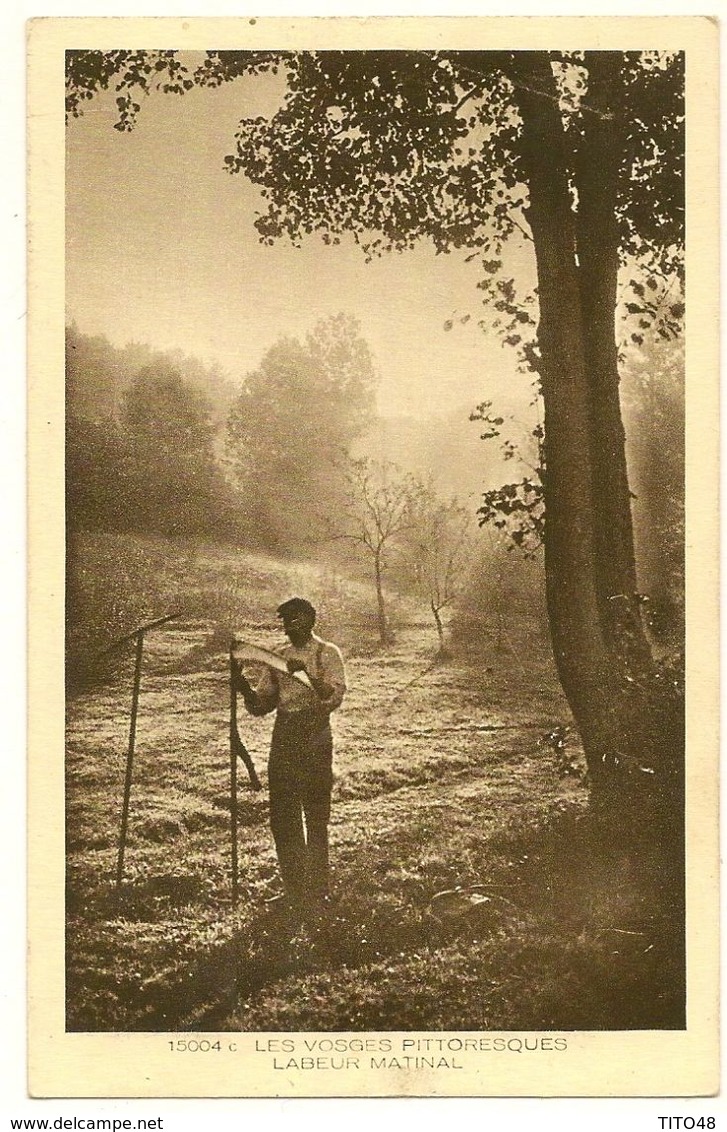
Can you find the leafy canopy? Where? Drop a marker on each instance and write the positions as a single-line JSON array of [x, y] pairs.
[[396, 145]]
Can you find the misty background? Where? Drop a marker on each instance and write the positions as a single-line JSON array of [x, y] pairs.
[[214, 385]]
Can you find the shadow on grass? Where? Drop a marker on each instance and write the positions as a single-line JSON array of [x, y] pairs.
[[578, 930], [141, 900]]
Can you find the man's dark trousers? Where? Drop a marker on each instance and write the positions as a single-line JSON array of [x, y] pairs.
[[300, 778]]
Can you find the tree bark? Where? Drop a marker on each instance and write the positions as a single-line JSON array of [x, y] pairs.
[[582, 656], [597, 164]]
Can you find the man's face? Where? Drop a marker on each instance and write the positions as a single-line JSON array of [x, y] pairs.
[[298, 627]]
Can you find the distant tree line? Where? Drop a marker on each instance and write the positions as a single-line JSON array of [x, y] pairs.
[[153, 452], [159, 443], [294, 421], [151, 465]]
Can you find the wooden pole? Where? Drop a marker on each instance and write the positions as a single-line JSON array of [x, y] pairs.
[[233, 777], [130, 758], [121, 641]]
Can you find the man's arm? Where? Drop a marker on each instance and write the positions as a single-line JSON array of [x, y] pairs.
[[261, 699], [330, 686]]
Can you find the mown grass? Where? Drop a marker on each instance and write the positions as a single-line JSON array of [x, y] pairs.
[[563, 944], [443, 781]]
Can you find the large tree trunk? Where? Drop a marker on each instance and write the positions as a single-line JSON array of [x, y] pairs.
[[584, 661], [626, 722], [598, 159], [652, 721]]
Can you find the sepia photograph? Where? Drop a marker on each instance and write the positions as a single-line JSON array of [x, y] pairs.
[[372, 490]]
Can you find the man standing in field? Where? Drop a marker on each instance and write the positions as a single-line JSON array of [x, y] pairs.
[[300, 773]]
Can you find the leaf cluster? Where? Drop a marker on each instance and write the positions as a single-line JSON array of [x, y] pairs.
[[517, 509], [130, 73], [655, 306]]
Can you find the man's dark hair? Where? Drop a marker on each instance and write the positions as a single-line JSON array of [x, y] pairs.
[[296, 605]]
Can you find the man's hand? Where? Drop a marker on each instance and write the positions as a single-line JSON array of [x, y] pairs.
[[320, 687], [242, 684]]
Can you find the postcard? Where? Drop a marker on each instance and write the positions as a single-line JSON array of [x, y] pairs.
[[373, 400]]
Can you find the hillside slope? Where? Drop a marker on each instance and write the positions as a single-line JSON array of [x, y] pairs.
[[443, 783]]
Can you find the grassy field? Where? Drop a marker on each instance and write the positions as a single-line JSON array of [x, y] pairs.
[[444, 785]]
